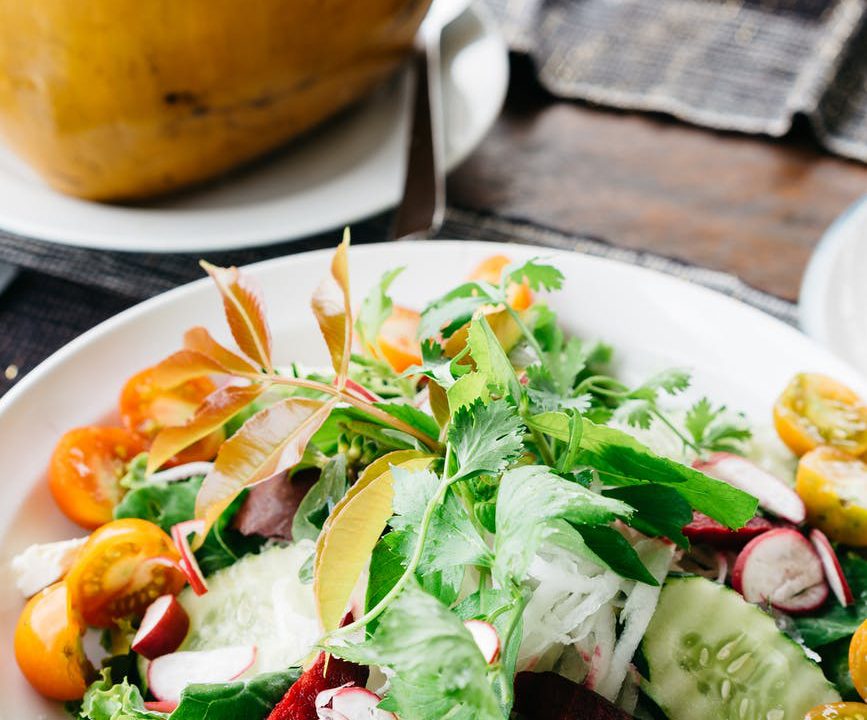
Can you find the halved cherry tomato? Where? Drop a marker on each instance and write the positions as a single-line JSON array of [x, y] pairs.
[[123, 567], [858, 660], [48, 646], [146, 408], [85, 469], [398, 339], [833, 486], [838, 711], [817, 410], [490, 270]]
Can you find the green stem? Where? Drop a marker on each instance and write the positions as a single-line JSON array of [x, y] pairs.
[[543, 447], [412, 565], [528, 334], [685, 440], [507, 684], [597, 384]]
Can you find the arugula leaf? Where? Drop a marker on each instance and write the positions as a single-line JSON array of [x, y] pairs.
[[491, 359], [224, 545], [660, 511], [485, 438], [537, 275], [438, 669], [621, 460], [252, 698], [106, 701], [164, 504], [375, 309], [615, 551], [451, 539], [320, 499], [451, 311], [836, 622], [712, 429], [530, 499]]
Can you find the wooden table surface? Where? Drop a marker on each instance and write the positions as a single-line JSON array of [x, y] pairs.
[[752, 206]]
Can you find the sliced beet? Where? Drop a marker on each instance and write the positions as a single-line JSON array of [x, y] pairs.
[[549, 696], [704, 529], [270, 507], [299, 702]]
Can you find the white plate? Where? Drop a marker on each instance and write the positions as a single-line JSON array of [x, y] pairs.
[[740, 356], [833, 302], [351, 168]]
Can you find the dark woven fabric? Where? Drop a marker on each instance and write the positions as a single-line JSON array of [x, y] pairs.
[[42, 311], [745, 65]]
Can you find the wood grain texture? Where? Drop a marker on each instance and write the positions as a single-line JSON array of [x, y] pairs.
[[748, 205]]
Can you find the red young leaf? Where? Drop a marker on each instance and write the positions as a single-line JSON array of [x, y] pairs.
[[200, 340], [270, 442], [333, 311], [245, 313], [181, 366], [216, 409]]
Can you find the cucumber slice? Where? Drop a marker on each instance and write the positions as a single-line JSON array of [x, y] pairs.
[[257, 601], [711, 654]]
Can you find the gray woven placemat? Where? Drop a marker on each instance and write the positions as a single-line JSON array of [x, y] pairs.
[[745, 65]]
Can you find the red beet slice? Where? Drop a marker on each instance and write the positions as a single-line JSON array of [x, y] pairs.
[[704, 529], [299, 702], [549, 696]]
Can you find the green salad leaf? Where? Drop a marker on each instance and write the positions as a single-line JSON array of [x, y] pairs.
[[485, 437], [253, 698], [835, 622], [320, 500], [104, 700]]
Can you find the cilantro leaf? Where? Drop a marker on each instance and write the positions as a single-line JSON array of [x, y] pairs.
[[436, 366], [485, 438], [451, 538], [375, 309], [672, 381], [635, 412], [451, 311], [530, 502], [712, 429], [537, 275], [438, 669]]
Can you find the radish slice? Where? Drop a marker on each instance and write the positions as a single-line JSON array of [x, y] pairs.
[[168, 675], [188, 563], [772, 493], [323, 699], [163, 706], [163, 628], [355, 703], [782, 568], [486, 638], [833, 571]]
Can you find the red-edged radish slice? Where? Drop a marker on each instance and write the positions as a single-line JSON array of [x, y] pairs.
[[163, 706], [188, 563], [772, 493], [323, 699], [782, 568], [169, 674], [486, 638], [833, 572], [356, 703], [704, 529], [163, 628]]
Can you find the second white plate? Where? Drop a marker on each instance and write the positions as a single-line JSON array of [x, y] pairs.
[[350, 168]]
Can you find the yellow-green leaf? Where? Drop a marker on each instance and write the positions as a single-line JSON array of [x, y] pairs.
[[467, 390], [349, 535], [210, 416], [331, 306], [270, 442], [245, 313], [439, 403]]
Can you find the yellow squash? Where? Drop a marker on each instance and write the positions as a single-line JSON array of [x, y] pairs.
[[120, 99]]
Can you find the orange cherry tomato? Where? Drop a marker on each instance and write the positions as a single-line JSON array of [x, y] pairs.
[[817, 410], [833, 486], [398, 339], [490, 270], [858, 660], [146, 408], [48, 646], [838, 711], [85, 469], [123, 567]]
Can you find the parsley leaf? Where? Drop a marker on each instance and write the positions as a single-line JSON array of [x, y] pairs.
[[438, 669], [537, 275], [485, 438], [530, 501], [375, 309], [712, 429]]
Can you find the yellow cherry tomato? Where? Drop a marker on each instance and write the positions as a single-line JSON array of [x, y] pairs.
[[48, 646], [833, 486], [838, 711], [858, 659], [817, 410], [121, 569]]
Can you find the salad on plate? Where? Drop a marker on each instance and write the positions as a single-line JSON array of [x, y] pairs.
[[467, 514]]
